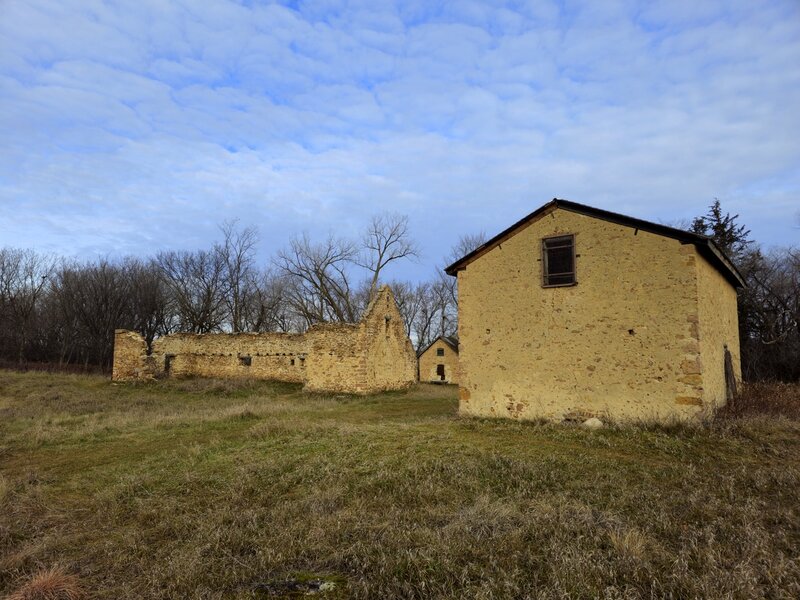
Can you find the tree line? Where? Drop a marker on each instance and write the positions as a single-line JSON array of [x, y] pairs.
[[61, 311], [769, 308]]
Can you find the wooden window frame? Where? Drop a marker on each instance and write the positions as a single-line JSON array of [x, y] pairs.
[[546, 274], [440, 352]]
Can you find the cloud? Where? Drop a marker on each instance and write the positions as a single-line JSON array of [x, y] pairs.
[[132, 127]]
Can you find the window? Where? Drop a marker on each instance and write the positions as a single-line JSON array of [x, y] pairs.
[[245, 361], [440, 352], [558, 261]]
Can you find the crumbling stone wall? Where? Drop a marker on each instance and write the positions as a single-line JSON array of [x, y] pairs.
[[372, 355], [279, 356], [390, 359], [129, 356]]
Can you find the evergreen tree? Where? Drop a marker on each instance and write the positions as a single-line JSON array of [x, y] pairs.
[[731, 237]]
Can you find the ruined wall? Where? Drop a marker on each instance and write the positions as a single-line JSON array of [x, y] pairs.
[[623, 341], [371, 356], [718, 327], [428, 362], [338, 359], [129, 356], [391, 362], [279, 356], [355, 358]]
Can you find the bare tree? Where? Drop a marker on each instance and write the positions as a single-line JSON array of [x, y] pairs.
[[198, 286], [444, 290], [769, 315], [238, 255], [93, 301], [465, 244], [24, 279], [387, 239], [405, 294], [265, 306], [150, 308], [318, 279]]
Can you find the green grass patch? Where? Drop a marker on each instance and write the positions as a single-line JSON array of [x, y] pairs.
[[245, 489]]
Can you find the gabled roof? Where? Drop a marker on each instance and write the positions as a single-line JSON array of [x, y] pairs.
[[704, 244], [447, 339]]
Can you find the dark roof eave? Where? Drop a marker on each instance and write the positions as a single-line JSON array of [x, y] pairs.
[[445, 339]]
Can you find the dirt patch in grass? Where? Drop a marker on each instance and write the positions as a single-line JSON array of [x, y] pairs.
[[181, 489]]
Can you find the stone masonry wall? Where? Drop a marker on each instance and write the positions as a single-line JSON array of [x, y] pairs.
[[390, 360], [623, 342], [129, 353], [328, 357], [278, 356], [429, 361], [718, 321], [338, 364]]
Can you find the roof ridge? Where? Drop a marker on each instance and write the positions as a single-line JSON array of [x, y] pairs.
[[703, 243]]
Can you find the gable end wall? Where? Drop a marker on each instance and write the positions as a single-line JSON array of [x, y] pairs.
[[623, 342], [428, 362]]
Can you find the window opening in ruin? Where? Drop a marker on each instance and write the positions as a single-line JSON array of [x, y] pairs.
[[168, 362], [245, 361], [291, 362], [440, 352], [440, 371], [558, 261]]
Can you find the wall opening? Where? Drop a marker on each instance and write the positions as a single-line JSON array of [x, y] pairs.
[[245, 361], [440, 372]]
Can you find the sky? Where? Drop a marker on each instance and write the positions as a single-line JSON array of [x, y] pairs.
[[138, 126]]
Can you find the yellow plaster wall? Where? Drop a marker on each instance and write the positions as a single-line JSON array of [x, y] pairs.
[[624, 341], [719, 326], [372, 355], [428, 361]]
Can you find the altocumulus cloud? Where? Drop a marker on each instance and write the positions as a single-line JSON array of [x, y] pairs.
[[134, 126]]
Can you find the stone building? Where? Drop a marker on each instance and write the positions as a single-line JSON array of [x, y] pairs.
[[372, 355], [438, 363], [575, 312]]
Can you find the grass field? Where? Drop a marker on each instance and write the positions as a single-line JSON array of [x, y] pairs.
[[209, 489]]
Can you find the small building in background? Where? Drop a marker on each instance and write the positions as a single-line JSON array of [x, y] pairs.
[[438, 363]]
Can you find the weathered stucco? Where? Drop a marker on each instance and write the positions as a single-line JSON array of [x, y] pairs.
[[372, 355], [719, 328], [628, 340], [429, 361]]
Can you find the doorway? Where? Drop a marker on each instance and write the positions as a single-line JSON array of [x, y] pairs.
[[440, 371]]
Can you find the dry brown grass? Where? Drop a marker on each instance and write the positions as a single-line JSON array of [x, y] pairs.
[[203, 489], [50, 584], [764, 399]]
